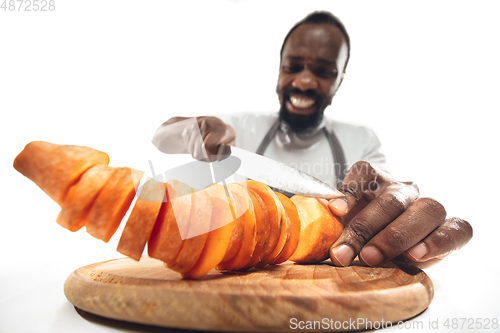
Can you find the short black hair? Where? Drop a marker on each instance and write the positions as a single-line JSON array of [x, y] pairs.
[[320, 18]]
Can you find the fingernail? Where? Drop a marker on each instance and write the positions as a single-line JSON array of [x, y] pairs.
[[340, 205], [371, 256], [418, 251], [344, 254]]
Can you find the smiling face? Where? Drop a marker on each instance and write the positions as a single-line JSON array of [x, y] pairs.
[[311, 70]]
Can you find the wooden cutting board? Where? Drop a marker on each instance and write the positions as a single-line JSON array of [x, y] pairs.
[[270, 299]]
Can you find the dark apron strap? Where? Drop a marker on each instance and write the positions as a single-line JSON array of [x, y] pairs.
[[267, 139], [338, 157], [336, 148]]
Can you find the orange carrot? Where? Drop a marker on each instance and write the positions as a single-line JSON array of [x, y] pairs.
[[221, 225], [142, 219], [237, 235], [319, 229], [55, 168], [284, 236], [112, 203], [274, 213], [234, 227], [246, 213], [165, 241], [81, 197], [293, 216], [263, 228], [199, 226]]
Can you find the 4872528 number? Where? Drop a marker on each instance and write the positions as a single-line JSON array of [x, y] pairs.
[[471, 323], [28, 5]]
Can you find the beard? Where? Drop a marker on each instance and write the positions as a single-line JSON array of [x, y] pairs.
[[302, 123]]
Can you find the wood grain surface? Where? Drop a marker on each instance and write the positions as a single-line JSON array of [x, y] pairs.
[[257, 300]]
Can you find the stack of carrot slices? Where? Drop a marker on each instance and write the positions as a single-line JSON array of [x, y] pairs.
[[233, 227]]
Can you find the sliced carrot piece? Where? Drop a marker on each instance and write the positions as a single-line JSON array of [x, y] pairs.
[[199, 226], [237, 235], [142, 219], [165, 241], [221, 225], [245, 211], [319, 229], [263, 227], [54, 168], [293, 216], [112, 203], [284, 235], [81, 196], [273, 207]]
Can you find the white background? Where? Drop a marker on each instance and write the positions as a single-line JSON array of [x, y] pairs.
[[105, 74]]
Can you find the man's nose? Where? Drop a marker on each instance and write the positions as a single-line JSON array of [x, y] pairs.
[[305, 80]]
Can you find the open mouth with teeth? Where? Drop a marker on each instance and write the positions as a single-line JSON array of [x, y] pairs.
[[301, 105]]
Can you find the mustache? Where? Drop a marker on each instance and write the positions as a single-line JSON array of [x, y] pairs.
[[296, 91]]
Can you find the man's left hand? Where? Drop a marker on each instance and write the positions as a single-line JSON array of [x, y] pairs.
[[385, 219]]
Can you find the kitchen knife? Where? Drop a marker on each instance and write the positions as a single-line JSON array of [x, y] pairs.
[[276, 174]]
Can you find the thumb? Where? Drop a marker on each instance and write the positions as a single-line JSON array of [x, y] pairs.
[[361, 176]]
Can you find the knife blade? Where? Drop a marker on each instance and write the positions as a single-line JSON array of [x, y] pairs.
[[277, 175]]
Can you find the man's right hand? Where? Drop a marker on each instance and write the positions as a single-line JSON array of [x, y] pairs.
[[170, 138]]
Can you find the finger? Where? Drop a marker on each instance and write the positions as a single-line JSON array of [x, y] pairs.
[[450, 236], [203, 125], [371, 220], [186, 138], [218, 143], [402, 260], [193, 142], [200, 153], [342, 206], [360, 205], [414, 224], [209, 144], [361, 176], [223, 152], [212, 142]]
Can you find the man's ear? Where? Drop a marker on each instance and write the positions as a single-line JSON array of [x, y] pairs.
[[278, 81], [341, 78]]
